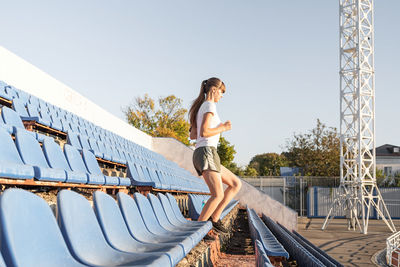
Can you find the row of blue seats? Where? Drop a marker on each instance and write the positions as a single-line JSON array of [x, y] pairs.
[[26, 159], [262, 259], [314, 250], [259, 231], [135, 231], [102, 143], [142, 175], [297, 251], [13, 121], [196, 204]]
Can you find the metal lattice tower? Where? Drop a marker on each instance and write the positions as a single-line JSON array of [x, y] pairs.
[[358, 193]]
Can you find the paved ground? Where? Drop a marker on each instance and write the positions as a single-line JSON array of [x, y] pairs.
[[351, 248]]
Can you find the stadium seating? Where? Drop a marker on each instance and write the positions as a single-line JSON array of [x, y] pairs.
[[30, 235], [295, 249], [138, 229], [11, 164], [77, 164], [85, 239], [317, 252], [117, 234], [56, 159], [259, 231], [163, 220], [44, 120], [262, 259], [32, 154], [196, 203]]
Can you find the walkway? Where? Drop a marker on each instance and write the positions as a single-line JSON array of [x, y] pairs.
[[351, 248]]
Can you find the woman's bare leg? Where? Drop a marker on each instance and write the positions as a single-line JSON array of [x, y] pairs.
[[213, 181], [234, 184]]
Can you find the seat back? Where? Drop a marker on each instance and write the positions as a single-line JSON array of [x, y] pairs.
[[81, 230], [91, 163], [84, 142], [30, 150], [74, 159], [147, 213], [159, 211], [11, 117], [9, 152], [32, 110], [132, 217], [29, 232], [19, 107], [168, 209], [54, 155], [175, 208], [111, 221], [72, 139]]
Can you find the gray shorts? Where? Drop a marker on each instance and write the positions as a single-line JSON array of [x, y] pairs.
[[206, 158]]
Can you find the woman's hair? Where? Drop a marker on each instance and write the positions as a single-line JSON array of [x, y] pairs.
[[204, 89]]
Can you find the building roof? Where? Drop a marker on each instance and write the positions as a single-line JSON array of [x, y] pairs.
[[388, 150]]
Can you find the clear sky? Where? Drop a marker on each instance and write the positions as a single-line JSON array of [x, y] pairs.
[[278, 59]]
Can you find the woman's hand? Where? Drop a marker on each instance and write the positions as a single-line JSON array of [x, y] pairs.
[[227, 125]]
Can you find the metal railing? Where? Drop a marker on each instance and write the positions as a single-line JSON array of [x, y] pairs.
[[291, 191], [393, 250]]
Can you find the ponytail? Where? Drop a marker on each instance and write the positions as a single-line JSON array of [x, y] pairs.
[[194, 109], [204, 88]]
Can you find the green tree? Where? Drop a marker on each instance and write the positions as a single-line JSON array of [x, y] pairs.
[[250, 171], [226, 153], [268, 163], [316, 152], [165, 120]]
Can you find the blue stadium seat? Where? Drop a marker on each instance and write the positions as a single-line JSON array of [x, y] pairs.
[[152, 222], [76, 163], [56, 159], [117, 234], [19, 107], [5, 127], [84, 143], [166, 224], [175, 208], [10, 90], [140, 232], [106, 155], [314, 250], [11, 118], [11, 165], [95, 148], [29, 232], [203, 227], [262, 259], [179, 220], [93, 167], [137, 179], [196, 203], [72, 139], [296, 250], [35, 115], [3, 92], [85, 238], [32, 154], [259, 231]]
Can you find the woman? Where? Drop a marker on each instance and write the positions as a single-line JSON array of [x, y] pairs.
[[206, 128]]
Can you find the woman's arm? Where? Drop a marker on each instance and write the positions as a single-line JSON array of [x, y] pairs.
[[206, 131], [193, 133]]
